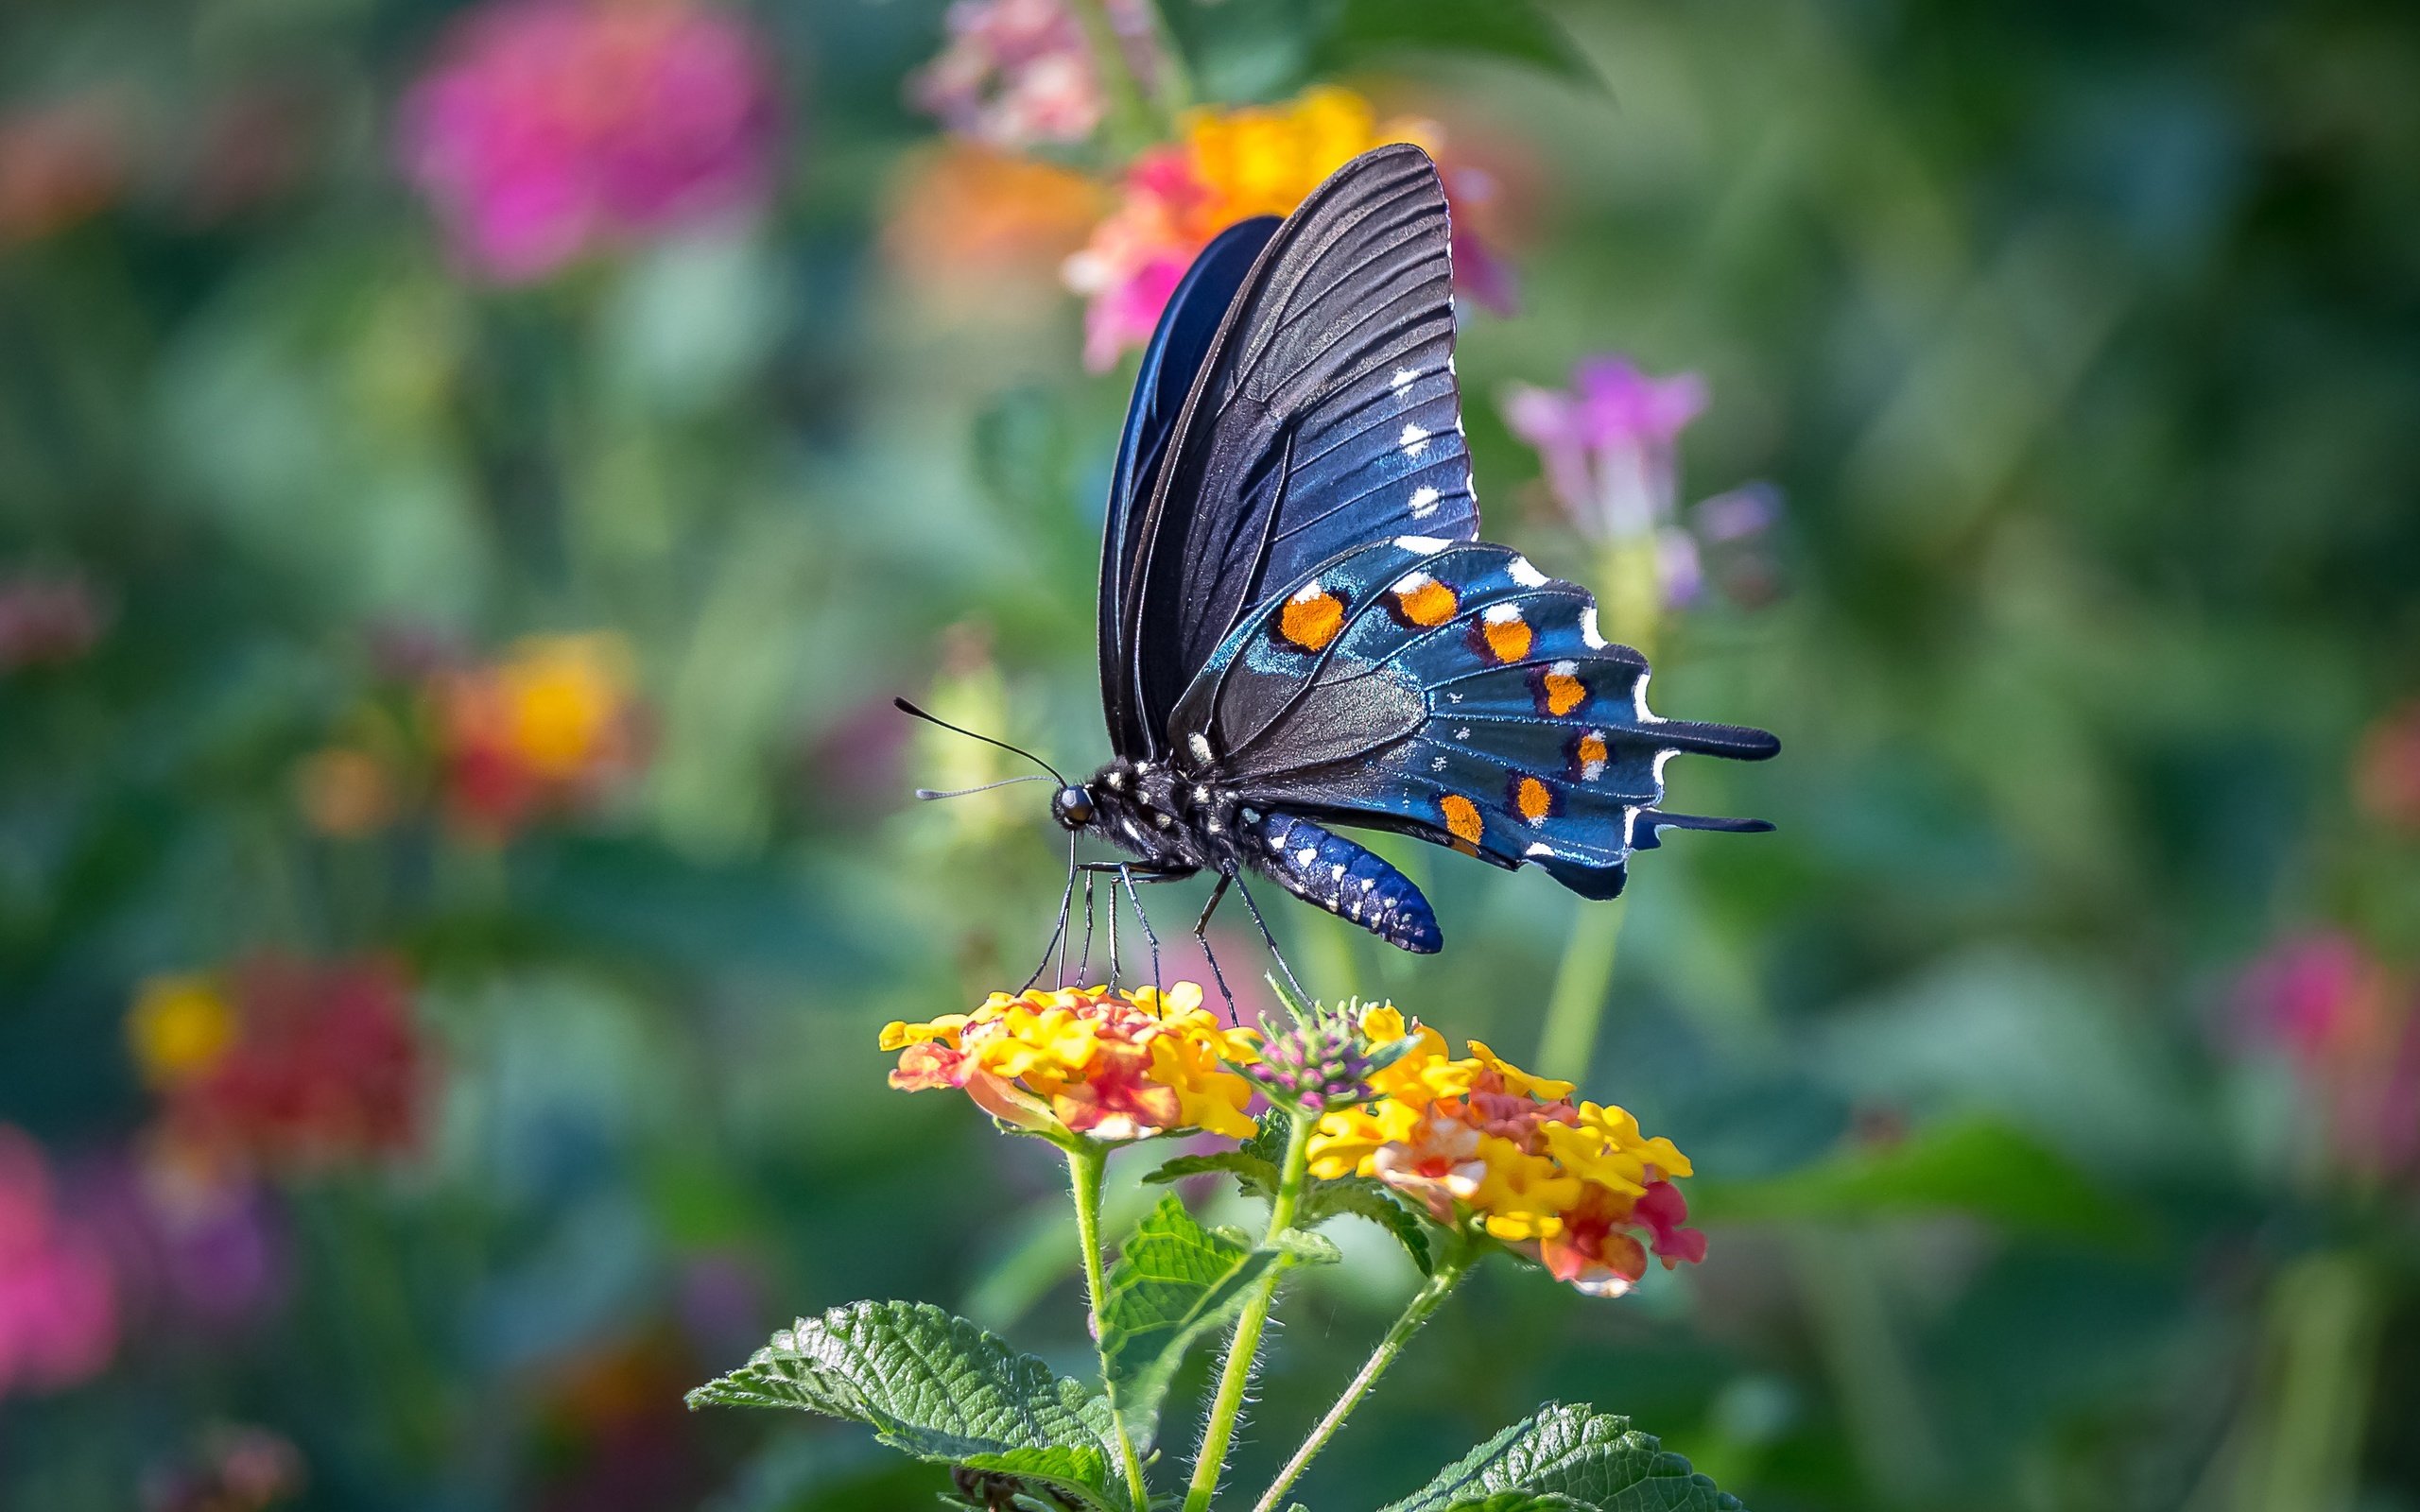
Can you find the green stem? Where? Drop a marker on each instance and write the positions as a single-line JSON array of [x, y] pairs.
[[1084, 1163], [1440, 1285], [1244, 1348], [1581, 985], [1130, 116]]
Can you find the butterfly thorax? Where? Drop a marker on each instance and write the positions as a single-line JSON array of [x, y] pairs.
[[1172, 815]]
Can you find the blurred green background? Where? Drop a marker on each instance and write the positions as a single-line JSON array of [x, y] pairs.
[[456, 852]]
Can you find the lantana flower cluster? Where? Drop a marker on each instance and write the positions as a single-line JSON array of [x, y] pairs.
[[284, 1063], [1574, 1186], [1093, 1061], [1228, 165]]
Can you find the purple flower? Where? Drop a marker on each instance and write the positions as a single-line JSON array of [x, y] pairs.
[[550, 129], [1609, 446]]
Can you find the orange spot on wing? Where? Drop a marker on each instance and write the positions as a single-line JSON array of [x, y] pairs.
[[1311, 618], [1508, 638], [1565, 692], [1593, 756], [1533, 800], [1425, 600], [1461, 818]]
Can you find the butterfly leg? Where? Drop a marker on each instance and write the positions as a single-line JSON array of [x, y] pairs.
[[1059, 931], [1202, 936], [1084, 966], [1271, 940], [1126, 875]]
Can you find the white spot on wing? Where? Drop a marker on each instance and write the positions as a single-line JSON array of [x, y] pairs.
[[1437, 763], [1661, 757], [1539, 850], [1336, 873], [1306, 855], [1503, 614], [1308, 593], [1414, 440], [1588, 635], [1426, 545], [1424, 502], [1565, 669], [1524, 574], [1200, 743], [1638, 701], [1402, 380]]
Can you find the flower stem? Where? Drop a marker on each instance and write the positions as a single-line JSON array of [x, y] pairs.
[[1244, 1348], [1581, 985], [1084, 1163], [1440, 1285]]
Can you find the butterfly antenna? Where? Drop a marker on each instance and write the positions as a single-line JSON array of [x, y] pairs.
[[907, 708], [984, 788]]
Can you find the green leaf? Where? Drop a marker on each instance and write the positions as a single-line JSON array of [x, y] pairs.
[[1367, 1197], [1257, 1177], [1512, 31], [1253, 1164], [934, 1386], [1592, 1460], [1978, 1166], [1521, 1501], [1174, 1282]]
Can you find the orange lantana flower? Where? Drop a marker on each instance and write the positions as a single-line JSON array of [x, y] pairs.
[[1085, 1060]]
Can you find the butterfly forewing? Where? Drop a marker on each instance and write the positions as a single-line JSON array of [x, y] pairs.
[[1186, 329], [1326, 416]]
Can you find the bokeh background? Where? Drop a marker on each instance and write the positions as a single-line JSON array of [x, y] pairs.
[[473, 477]]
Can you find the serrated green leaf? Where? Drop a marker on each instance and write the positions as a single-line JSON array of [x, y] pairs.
[[1521, 1501], [1257, 1177], [1511, 30], [1593, 1459], [934, 1386], [1174, 1281], [1367, 1197]]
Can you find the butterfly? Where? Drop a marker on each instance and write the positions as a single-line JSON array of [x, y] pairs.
[[1300, 629]]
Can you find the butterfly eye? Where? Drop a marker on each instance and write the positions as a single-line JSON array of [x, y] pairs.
[[1072, 807]]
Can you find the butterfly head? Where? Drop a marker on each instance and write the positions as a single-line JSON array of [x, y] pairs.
[[1073, 806]]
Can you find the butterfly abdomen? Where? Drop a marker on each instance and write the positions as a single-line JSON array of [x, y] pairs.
[[1325, 869]]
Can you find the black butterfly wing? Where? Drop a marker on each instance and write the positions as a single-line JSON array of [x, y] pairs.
[[1326, 416], [1187, 326], [1452, 692]]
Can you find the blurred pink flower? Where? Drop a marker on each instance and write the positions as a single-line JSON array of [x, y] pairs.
[[1610, 448], [2386, 771], [45, 622], [58, 1296], [1020, 73], [2350, 1027], [549, 129]]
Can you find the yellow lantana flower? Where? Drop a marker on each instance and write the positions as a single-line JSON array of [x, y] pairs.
[[179, 1028], [1086, 1060], [1477, 1140]]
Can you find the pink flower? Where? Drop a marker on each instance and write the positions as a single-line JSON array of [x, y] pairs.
[[2386, 771], [58, 1296], [550, 129], [45, 622], [2350, 1027], [1020, 73]]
